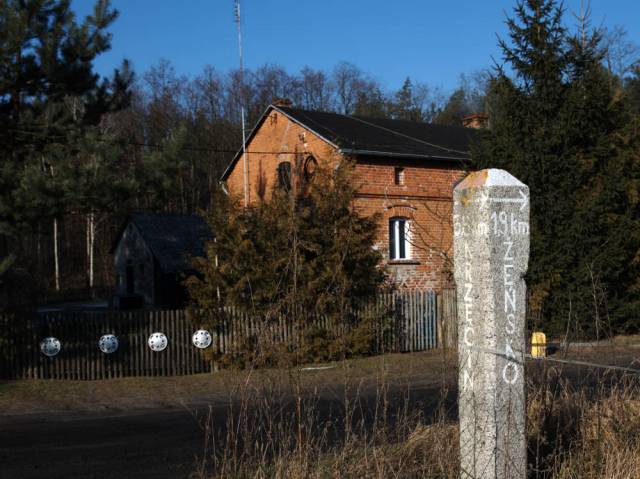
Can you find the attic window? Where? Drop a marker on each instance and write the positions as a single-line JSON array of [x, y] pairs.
[[284, 175], [398, 175]]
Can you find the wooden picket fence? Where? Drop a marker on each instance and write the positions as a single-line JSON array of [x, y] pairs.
[[407, 321], [447, 319]]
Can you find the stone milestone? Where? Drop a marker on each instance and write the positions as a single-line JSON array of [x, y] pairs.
[[491, 252]]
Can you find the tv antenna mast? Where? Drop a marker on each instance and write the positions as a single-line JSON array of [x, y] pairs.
[[245, 166]]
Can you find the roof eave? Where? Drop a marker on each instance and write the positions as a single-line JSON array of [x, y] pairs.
[[355, 151]]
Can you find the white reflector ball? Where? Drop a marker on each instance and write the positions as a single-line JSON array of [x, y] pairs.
[[108, 344], [201, 339], [158, 342], [50, 346]]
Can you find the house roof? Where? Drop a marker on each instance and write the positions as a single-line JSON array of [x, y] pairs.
[[356, 135], [173, 239]]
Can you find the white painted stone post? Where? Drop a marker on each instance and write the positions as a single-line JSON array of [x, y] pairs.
[[491, 252]]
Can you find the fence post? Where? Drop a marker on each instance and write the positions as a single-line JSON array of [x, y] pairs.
[[491, 251], [440, 332]]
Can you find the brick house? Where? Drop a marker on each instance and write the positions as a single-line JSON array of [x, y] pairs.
[[405, 170]]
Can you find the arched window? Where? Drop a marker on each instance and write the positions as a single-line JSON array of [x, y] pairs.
[[284, 175], [399, 238], [310, 165]]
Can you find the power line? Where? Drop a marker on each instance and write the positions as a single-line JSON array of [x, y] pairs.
[[585, 363], [555, 360], [433, 145], [157, 146]]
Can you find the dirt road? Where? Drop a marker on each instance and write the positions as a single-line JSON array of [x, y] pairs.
[[154, 444], [151, 427]]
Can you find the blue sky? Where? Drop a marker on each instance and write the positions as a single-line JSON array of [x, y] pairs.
[[431, 41]]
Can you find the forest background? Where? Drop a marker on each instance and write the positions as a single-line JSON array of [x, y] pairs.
[[81, 152]]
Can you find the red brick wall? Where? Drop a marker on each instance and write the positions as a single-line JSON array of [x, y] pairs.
[[425, 197], [278, 135]]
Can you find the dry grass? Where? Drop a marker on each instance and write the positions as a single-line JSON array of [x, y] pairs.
[[626, 340], [270, 436], [586, 429], [587, 433]]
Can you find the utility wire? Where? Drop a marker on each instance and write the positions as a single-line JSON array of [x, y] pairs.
[[56, 141], [215, 150], [585, 363], [555, 360], [157, 146], [433, 145]]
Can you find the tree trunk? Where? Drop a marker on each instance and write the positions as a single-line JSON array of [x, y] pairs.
[[91, 236], [182, 194], [56, 255], [39, 252], [56, 261]]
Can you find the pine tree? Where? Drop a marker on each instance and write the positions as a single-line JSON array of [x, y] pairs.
[[49, 100], [556, 125], [403, 105]]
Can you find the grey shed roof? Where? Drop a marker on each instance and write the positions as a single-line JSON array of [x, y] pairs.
[[173, 239]]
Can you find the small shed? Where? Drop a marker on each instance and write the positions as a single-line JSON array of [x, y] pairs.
[[153, 254]]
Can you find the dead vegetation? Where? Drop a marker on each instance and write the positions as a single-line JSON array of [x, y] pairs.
[[581, 424], [589, 432], [368, 417], [276, 432]]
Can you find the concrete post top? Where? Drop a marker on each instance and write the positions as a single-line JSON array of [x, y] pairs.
[[489, 177]]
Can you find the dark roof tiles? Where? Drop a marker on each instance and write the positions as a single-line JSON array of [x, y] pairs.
[[359, 135], [173, 239]]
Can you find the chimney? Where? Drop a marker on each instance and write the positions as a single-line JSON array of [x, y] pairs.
[[476, 120], [281, 102]]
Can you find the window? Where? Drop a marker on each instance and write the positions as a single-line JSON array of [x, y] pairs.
[[399, 246], [284, 175], [398, 176], [310, 166]]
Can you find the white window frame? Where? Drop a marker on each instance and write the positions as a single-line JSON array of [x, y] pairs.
[[395, 246]]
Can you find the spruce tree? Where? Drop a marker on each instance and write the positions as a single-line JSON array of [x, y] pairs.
[[304, 251], [556, 125]]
